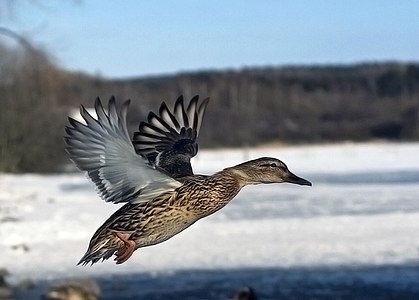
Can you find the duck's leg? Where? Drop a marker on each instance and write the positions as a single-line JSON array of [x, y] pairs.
[[126, 251]]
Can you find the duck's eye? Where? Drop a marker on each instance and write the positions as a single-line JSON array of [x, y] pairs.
[[271, 165]]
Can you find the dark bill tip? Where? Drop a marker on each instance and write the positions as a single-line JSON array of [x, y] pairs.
[[292, 178]]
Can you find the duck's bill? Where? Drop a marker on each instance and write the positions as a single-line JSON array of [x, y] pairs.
[[292, 178]]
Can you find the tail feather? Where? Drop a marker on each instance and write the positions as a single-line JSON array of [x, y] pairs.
[[103, 245], [94, 257]]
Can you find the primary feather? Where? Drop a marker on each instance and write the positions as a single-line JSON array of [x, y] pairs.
[[169, 139]]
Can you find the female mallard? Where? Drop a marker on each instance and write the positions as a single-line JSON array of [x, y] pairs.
[[153, 175]]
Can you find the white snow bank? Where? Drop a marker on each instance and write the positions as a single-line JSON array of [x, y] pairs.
[[47, 221]]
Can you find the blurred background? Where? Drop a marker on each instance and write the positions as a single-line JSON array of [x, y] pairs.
[[331, 88]]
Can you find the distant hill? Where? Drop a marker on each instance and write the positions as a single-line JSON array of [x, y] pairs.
[[296, 104]]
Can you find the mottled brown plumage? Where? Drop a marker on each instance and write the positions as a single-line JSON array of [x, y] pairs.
[[164, 203]]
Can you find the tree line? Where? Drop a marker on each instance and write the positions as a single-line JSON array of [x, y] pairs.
[[250, 106]]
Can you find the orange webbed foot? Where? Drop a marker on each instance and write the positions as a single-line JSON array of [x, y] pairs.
[[126, 251]]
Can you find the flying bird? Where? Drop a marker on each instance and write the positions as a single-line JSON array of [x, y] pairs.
[[152, 175]]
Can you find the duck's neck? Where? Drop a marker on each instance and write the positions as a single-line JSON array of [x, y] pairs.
[[238, 175]]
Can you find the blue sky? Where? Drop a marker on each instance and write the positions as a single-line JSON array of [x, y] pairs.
[[131, 38]]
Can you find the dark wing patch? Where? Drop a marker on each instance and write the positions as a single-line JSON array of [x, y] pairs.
[[169, 139]]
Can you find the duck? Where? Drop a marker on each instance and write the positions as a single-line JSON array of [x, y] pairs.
[[152, 174]]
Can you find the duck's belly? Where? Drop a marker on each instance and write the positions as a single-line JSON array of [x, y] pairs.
[[162, 226]]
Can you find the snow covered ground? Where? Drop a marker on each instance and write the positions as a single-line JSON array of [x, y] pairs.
[[363, 210]]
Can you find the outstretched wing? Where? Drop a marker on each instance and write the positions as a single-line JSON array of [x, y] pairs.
[[169, 139], [102, 147]]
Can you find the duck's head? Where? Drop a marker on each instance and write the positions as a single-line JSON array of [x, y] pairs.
[[266, 170]]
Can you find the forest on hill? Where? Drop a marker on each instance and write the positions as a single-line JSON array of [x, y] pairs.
[[249, 106]]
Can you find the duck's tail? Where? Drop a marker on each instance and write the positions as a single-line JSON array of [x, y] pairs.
[[102, 246]]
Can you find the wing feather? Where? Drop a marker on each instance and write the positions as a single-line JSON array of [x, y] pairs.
[[172, 135], [102, 147]]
